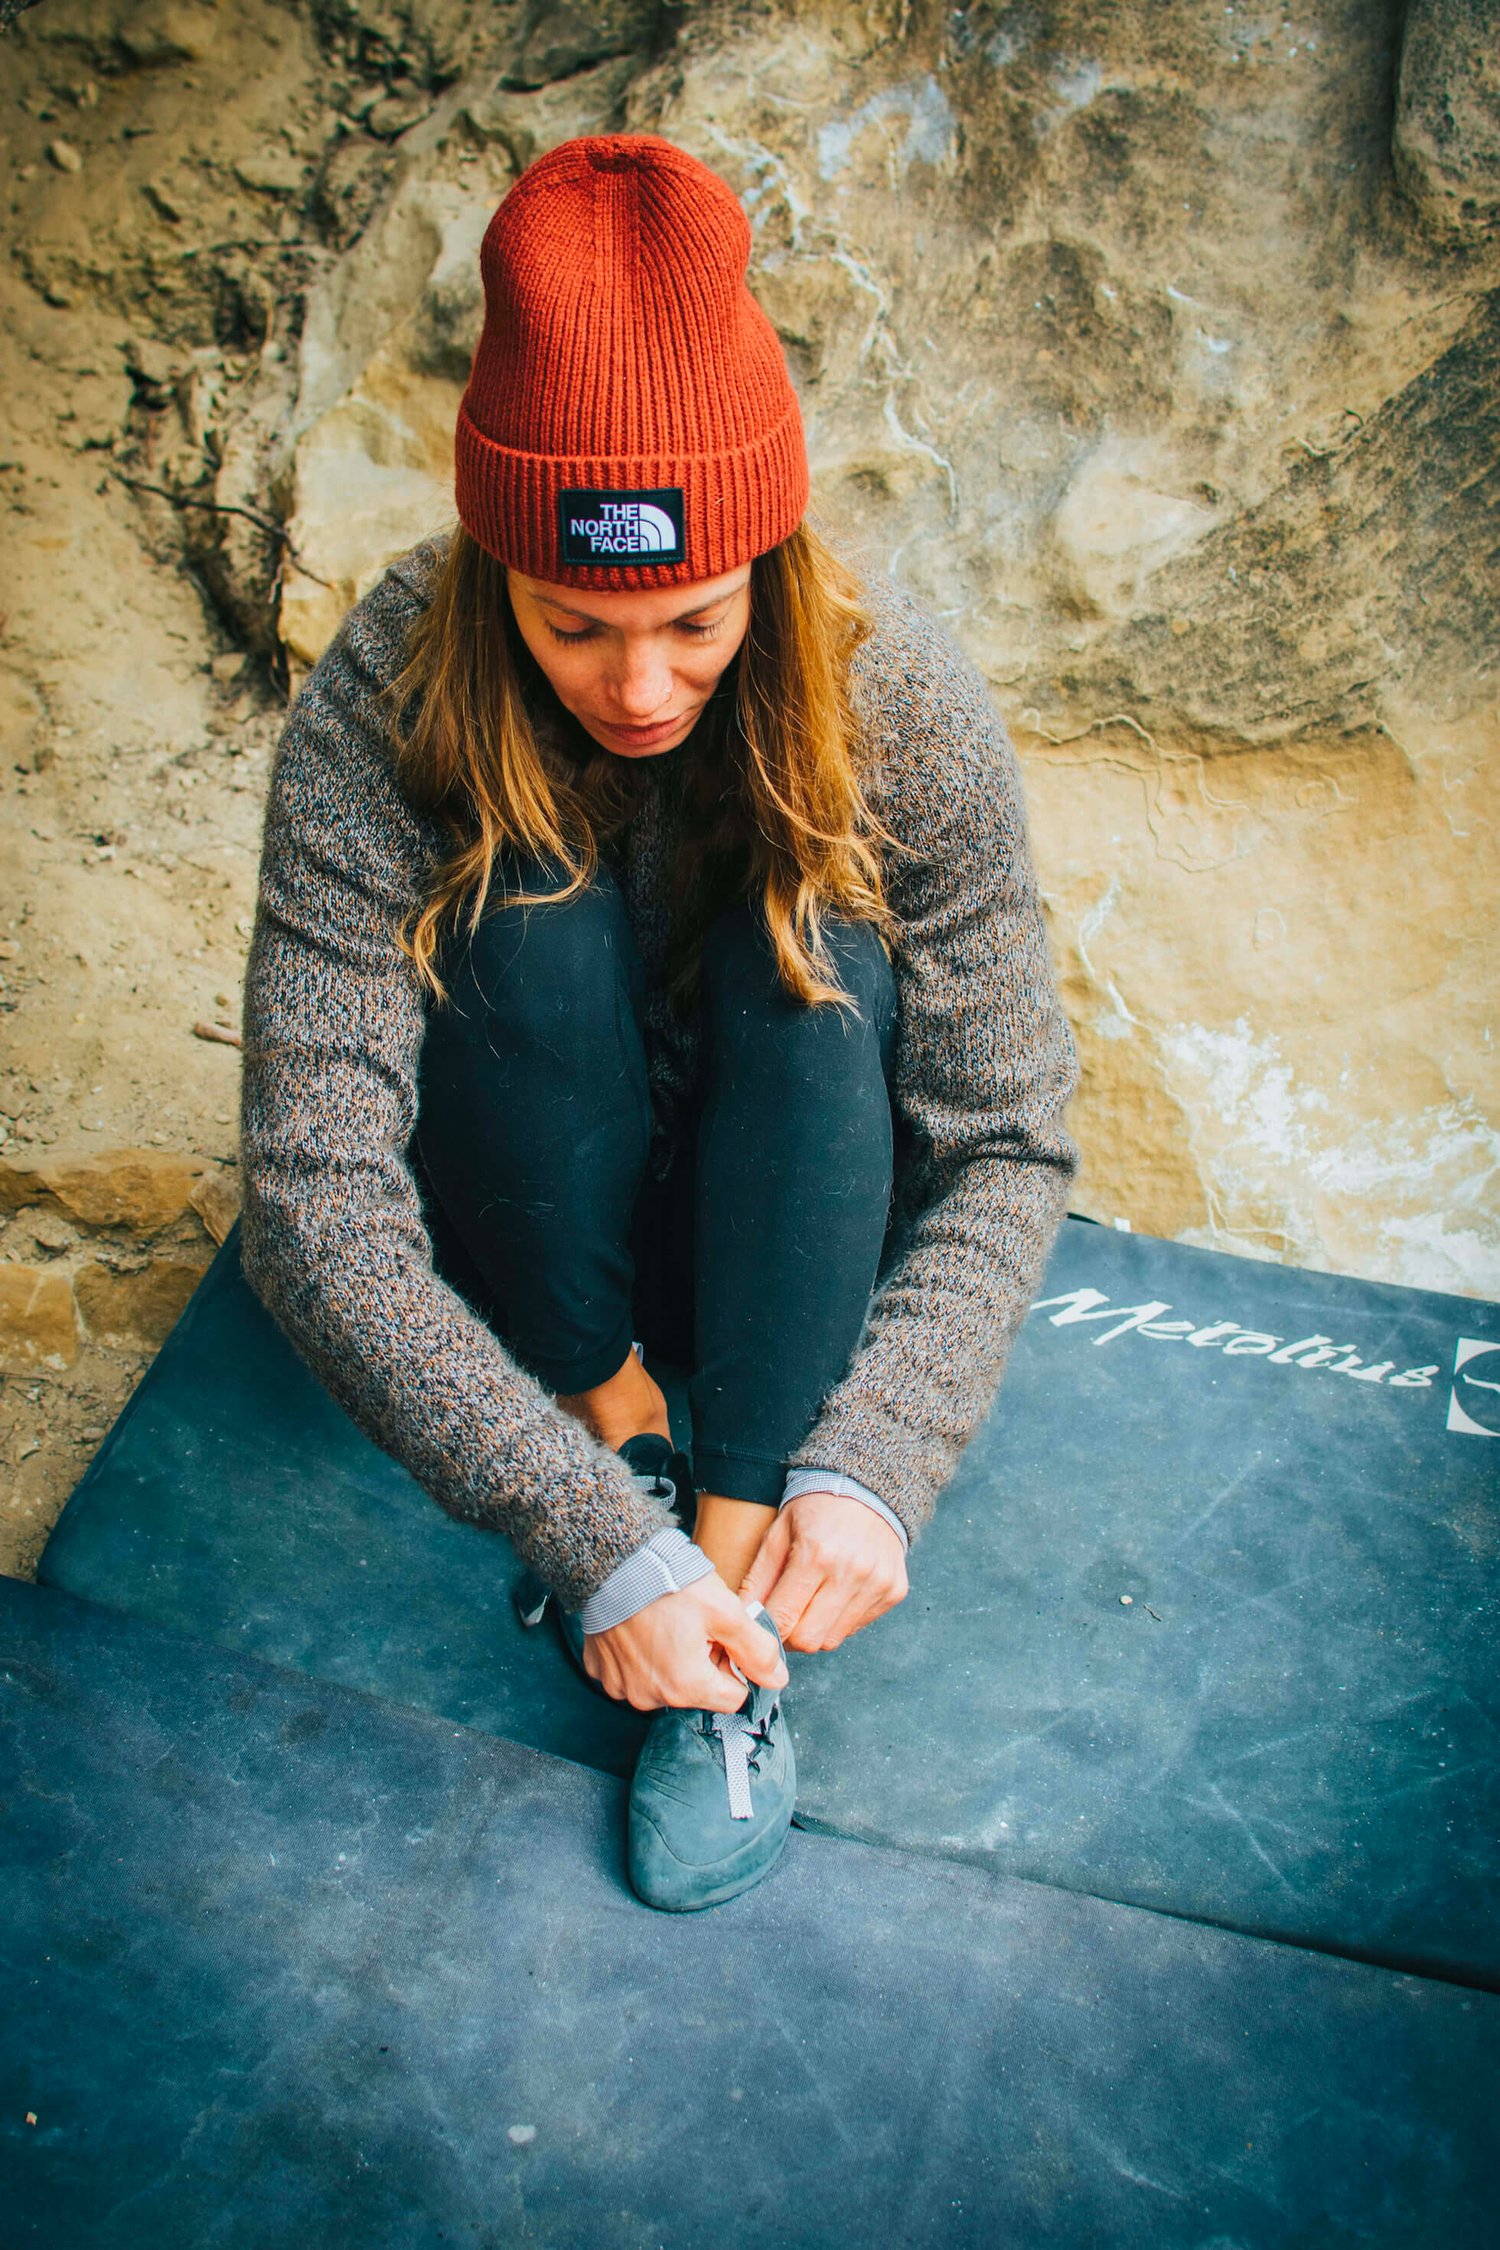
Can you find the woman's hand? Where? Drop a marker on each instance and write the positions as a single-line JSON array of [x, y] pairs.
[[827, 1567], [677, 1651]]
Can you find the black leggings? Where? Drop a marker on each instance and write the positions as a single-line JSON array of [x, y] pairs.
[[753, 1259]]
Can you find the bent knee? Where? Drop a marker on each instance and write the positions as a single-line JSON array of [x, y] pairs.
[[742, 979], [541, 959]]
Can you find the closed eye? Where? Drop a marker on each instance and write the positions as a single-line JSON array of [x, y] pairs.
[[683, 625]]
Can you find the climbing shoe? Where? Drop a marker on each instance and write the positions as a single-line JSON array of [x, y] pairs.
[[712, 1800], [661, 1472]]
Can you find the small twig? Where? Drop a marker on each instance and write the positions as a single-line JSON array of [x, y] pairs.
[[218, 507], [219, 1031], [1150, 1612], [268, 524]]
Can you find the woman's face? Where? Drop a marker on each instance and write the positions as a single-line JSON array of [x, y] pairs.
[[635, 669]]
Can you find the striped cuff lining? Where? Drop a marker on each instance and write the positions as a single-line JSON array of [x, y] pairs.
[[799, 1481], [664, 1565]]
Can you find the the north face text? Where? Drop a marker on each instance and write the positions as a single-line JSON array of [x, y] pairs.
[[615, 528]]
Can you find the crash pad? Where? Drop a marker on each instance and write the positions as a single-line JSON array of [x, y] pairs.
[[286, 1966], [1206, 1620]]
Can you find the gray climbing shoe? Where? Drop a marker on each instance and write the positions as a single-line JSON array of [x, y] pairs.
[[712, 1800], [532, 1597]]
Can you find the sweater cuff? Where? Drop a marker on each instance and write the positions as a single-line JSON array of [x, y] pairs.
[[664, 1565], [799, 1481]]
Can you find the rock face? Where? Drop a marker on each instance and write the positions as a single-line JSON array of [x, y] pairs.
[[374, 468], [38, 1320], [140, 1190], [216, 1198], [1446, 142], [137, 1306], [1117, 343], [122, 1243], [389, 333]]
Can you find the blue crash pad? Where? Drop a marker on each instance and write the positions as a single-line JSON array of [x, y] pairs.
[[1289, 1727], [285, 1966]]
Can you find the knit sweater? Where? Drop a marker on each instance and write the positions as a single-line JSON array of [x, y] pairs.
[[333, 1235]]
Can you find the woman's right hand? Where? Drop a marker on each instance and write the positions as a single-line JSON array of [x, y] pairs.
[[678, 1650]]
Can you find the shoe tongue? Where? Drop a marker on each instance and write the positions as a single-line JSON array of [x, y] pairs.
[[647, 1455], [761, 1701], [767, 1623]]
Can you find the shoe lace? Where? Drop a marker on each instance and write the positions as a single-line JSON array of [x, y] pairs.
[[743, 1741]]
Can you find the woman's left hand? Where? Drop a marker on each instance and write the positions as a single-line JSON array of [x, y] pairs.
[[826, 1567]]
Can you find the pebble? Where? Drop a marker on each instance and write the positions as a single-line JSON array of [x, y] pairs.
[[522, 2135], [1126, 1600], [65, 156], [390, 118], [274, 171]]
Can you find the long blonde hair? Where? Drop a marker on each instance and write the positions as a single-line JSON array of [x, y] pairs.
[[775, 807]]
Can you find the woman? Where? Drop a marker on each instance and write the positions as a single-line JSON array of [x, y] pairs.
[[629, 873]]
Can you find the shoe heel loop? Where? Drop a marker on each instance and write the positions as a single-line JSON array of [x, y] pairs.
[[529, 1597]]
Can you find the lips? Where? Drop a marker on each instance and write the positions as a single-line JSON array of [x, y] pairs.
[[643, 738]]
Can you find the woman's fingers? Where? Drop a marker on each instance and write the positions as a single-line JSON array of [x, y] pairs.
[[667, 1654], [784, 1577], [800, 1578], [835, 1611], [681, 1679], [747, 1644], [827, 1567], [769, 1561]]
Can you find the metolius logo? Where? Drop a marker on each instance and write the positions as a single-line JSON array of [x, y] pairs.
[[1474, 1401], [612, 529]]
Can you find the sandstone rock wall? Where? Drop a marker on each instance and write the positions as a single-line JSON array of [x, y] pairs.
[[110, 1246], [1447, 138]]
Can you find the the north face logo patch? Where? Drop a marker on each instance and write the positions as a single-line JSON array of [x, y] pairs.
[[614, 528]]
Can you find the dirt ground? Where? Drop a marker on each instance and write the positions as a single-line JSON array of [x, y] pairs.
[[135, 729]]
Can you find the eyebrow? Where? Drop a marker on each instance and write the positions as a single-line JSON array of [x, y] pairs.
[[585, 617]]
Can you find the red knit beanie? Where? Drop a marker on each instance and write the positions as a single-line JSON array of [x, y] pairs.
[[629, 420]]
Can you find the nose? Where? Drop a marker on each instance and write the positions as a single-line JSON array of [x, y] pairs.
[[643, 682]]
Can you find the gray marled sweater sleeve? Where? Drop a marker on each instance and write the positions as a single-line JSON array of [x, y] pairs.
[[984, 1071], [333, 1237]]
